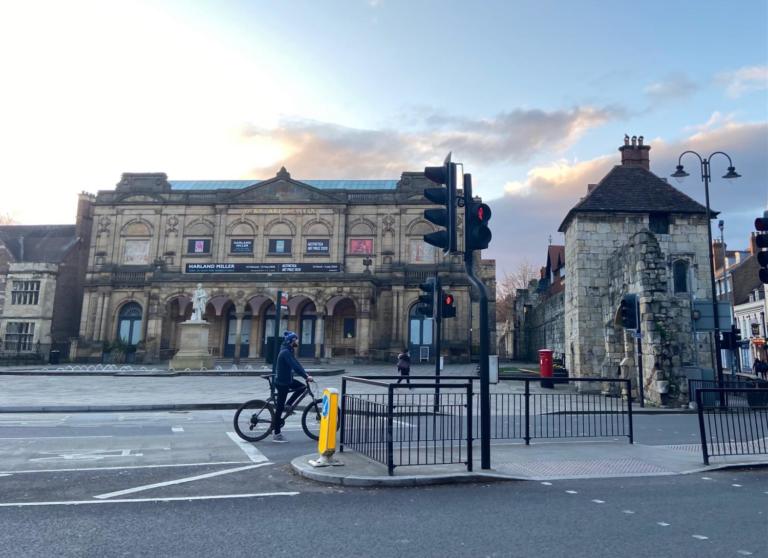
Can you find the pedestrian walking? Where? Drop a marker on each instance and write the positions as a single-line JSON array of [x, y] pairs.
[[404, 367]]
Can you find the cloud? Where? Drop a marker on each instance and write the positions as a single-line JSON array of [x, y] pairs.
[[516, 136], [672, 87], [533, 208], [744, 80]]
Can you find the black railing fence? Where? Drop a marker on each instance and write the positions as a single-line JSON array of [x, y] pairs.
[[400, 428], [732, 421], [735, 383], [396, 426], [596, 410]]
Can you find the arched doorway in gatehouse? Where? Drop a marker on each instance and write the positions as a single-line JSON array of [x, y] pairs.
[[419, 335]]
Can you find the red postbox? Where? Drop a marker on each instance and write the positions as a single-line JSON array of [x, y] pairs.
[[546, 368]]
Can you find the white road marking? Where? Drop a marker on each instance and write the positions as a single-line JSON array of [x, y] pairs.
[[546, 483], [627, 511], [253, 453], [599, 501], [139, 500], [72, 470], [86, 455], [177, 429], [177, 481], [571, 492], [706, 478], [662, 524], [736, 485], [5, 474], [744, 552], [700, 537], [53, 437]]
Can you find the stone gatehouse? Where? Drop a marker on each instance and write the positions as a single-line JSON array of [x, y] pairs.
[[349, 253]]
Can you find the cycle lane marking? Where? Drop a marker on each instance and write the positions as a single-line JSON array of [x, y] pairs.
[[177, 481], [253, 453], [140, 500]]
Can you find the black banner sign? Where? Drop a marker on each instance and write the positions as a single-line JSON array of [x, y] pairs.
[[263, 268], [318, 246], [241, 246]]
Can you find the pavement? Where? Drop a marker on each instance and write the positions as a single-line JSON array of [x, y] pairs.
[[658, 451]]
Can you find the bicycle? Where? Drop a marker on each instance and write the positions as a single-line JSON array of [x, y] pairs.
[[255, 419]]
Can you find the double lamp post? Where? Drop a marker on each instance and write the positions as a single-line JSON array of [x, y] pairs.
[[679, 175]]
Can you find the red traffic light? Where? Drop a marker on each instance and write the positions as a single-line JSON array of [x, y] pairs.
[[448, 299], [761, 224], [483, 213]]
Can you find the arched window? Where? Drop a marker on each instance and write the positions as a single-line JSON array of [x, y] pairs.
[[680, 276], [129, 323]]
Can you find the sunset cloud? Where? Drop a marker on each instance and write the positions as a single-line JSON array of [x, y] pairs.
[[744, 80]]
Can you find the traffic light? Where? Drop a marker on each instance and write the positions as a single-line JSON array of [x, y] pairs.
[[628, 311], [452, 176], [761, 226], [736, 334], [727, 341], [477, 235], [427, 300], [448, 308]]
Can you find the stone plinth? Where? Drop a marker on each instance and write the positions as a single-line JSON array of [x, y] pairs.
[[193, 347]]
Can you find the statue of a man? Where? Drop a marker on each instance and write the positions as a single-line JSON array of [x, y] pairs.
[[199, 300]]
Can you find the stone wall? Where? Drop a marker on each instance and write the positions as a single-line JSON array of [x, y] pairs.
[[608, 255], [543, 327]]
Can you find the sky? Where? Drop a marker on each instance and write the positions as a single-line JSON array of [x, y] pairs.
[[534, 97]]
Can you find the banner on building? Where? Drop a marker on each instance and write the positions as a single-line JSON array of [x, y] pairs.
[[263, 268], [318, 246]]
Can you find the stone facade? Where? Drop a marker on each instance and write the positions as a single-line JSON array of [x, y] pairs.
[[42, 269], [634, 234], [350, 255]]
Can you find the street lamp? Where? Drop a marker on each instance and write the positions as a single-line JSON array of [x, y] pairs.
[[680, 175]]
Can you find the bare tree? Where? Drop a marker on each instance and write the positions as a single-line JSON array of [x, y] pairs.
[[6, 219], [506, 289]]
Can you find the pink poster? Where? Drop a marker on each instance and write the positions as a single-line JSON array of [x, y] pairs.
[[199, 246], [361, 246]]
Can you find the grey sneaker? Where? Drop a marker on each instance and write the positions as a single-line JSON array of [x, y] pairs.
[[279, 438]]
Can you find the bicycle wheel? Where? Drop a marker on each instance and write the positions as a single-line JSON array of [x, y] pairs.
[[254, 420], [310, 419]]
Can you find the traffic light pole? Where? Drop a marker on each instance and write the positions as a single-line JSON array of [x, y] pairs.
[[485, 346], [437, 337]]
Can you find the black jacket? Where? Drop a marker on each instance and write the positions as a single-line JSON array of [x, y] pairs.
[[287, 365]]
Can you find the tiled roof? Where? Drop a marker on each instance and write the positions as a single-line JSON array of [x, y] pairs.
[[319, 184], [38, 243], [634, 190], [556, 256]]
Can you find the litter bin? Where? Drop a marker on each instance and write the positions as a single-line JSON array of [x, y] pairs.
[[546, 368], [54, 356]]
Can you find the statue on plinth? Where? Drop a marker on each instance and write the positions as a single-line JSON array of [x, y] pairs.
[[199, 300]]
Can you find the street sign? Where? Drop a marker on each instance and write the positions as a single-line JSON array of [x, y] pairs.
[[704, 317], [637, 334]]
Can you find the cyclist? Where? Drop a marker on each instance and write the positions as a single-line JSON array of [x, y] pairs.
[[284, 381]]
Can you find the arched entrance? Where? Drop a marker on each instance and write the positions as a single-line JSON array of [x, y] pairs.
[[268, 328], [419, 335], [307, 329], [129, 323], [230, 337]]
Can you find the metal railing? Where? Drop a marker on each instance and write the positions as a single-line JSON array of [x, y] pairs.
[[439, 427], [732, 421], [400, 429], [739, 383], [562, 414]]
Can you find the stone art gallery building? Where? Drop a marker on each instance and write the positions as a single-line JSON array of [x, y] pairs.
[[349, 253]]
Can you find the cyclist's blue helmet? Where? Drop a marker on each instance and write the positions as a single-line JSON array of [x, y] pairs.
[[289, 336]]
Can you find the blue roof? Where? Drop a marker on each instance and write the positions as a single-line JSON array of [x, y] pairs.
[[319, 184]]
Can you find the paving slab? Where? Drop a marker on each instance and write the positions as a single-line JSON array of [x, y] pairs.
[[536, 462]]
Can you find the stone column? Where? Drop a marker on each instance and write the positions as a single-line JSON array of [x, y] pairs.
[[255, 339], [363, 334], [238, 336], [319, 334]]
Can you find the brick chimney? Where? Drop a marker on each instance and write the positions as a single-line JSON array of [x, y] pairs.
[[718, 252], [634, 153], [753, 249]]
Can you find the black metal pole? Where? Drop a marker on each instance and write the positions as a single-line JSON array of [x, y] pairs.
[[437, 313], [715, 309], [640, 374], [276, 342], [485, 386]]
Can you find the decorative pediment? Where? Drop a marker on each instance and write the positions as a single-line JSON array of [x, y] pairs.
[[283, 189]]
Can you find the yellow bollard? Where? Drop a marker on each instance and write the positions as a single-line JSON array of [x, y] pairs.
[[329, 419]]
